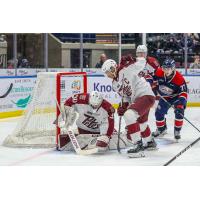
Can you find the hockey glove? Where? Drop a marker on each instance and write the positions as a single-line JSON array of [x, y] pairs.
[[102, 143], [122, 108], [126, 60], [67, 117]]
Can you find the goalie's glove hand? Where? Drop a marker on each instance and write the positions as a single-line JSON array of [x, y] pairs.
[[67, 117], [122, 108], [102, 143]]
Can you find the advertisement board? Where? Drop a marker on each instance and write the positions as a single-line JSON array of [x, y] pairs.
[[103, 84], [90, 71], [34, 71], [193, 83], [19, 96], [71, 85]]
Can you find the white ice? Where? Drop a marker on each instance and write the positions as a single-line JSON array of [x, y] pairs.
[[167, 148]]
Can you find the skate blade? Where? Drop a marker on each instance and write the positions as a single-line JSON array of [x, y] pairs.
[[161, 135], [177, 140], [151, 149], [136, 155]]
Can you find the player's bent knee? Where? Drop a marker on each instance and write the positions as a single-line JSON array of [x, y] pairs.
[[159, 114]]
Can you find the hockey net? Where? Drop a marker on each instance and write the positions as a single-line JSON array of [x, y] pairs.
[[37, 128]]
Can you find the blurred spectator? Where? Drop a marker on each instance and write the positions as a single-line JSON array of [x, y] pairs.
[[1, 61], [23, 63], [2, 38], [173, 44], [190, 44], [85, 60], [103, 58], [196, 64], [11, 64]]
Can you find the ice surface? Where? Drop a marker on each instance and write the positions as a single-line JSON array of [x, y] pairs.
[[167, 148]]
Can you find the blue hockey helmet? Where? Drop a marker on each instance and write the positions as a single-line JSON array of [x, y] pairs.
[[169, 63]]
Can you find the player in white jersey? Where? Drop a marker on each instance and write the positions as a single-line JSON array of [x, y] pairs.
[[95, 122], [151, 66], [137, 99], [151, 63]]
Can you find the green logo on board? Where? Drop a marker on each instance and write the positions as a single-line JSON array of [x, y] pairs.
[[22, 103]]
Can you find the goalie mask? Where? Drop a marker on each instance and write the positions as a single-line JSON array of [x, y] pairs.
[[109, 68], [95, 99]]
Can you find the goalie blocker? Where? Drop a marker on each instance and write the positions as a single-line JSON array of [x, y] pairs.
[[94, 117]]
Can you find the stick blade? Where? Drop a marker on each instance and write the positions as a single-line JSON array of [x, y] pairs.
[[87, 151]]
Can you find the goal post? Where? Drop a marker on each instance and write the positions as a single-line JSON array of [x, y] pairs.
[[58, 91], [36, 128]]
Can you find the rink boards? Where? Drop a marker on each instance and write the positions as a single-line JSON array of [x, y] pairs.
[[16, 102]]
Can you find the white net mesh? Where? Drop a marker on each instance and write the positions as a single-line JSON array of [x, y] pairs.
[[36, 128]]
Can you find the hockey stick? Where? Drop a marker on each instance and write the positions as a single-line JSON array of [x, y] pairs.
[[118, 135], [74, 141], [190, 145], [181, 152], [120, 119], [8, 91], [180, 113]]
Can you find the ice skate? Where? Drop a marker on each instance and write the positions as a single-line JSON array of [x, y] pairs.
[[151, 145], [158, 133], [177, 135], [137, 151]]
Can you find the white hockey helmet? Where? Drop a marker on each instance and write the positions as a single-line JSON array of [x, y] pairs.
[[141, 49], [95, 99], [108, 65]]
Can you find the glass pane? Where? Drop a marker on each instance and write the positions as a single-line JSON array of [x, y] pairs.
[[30, 50], [6, 51], [162, 45], [193, 50], [129, 43]]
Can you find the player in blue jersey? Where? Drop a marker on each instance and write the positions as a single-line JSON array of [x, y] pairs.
[[172, 87]]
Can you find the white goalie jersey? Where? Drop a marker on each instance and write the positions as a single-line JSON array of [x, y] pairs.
[[92, 121]]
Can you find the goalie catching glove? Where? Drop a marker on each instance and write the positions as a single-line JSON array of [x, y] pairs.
[[66, 118], [101, 142]]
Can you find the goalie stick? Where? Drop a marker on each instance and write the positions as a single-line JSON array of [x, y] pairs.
[[74, 141], [8, 91]]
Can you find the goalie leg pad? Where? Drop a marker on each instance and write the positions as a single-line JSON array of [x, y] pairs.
[[63, 141]]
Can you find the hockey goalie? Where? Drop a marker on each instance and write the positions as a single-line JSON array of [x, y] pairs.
[[93, 120]]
